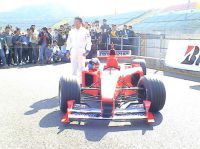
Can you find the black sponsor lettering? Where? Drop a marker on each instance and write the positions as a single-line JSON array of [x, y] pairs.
[[105, 53], [190, 59], [198, 61]]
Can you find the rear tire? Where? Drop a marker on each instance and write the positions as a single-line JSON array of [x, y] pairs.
[[142, 64], [69, 89], [154, 90]]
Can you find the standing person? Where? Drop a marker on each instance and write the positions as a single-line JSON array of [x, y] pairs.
[[37, 33], [8, 37], [67, 29], [51, 32], [63, 38], [93, 33], [2, 46], [133, 41], [95, 41], [79, 45], [98, 34], [30, 49], [105, 33], [58, 37], [124, 34], [114, 35], [33, 44], [45, 40], [98, 30], [25, 49], [131, 35], [16, 40]]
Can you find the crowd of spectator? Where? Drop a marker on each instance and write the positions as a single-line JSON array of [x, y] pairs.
[[105, 34], [48, 45]]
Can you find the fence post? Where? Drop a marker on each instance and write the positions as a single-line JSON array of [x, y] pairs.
[[121, 43], [161, 43], [160, 56], [108, 42], [142, 45], [138, 49]]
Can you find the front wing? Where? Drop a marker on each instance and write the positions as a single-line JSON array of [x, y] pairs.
[[132, 111]]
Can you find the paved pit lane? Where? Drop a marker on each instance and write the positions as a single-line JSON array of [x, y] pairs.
[[30, 117]]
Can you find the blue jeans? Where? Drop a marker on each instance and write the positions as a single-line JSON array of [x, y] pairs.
[[63, 48], [42, 53], [35, 52], [10, 56], [2, 55], [17, 55], [48, 53]]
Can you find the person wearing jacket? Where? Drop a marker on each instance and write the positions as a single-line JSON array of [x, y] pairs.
[[17, 43], [124, 34], [8, 35], [114, 35], [25, 48], [2, 46], [59, 38], [45, 39], [131, 35], [33, 39], [105, 30], [79, 44]]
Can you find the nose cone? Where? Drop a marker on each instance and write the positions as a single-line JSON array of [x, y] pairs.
[[108, 86]]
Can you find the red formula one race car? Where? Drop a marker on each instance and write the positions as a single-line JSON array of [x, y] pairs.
[[117, 92]]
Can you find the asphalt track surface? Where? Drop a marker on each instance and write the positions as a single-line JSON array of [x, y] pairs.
[[30, 117]]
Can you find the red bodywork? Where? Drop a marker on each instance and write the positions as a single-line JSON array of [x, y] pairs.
[[110, 83]]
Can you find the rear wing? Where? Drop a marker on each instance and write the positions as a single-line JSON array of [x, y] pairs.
[[118, 54]]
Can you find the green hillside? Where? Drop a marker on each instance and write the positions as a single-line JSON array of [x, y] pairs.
[[61, 22]]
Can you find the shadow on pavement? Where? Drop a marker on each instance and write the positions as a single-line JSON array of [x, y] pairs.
[[182, 76], [36, 65], [43, 104], [195, 87], [25, 66], [94, 130]]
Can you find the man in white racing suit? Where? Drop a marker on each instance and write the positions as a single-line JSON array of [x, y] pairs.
[[79, 44]]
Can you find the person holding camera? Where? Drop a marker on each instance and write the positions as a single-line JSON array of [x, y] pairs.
[[45, 40]]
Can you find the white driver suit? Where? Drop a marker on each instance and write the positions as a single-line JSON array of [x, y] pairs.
[[78, 43]]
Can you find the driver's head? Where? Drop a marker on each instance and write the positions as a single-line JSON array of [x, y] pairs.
[[94, 64], [78, 22]]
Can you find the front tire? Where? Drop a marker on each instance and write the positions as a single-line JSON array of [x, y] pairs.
[[153, 90], [69, 89]]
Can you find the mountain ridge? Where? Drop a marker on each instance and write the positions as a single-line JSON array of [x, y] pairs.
[[40, 15]]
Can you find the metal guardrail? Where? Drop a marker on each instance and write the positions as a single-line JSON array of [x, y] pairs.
[[147, 45], [141, 45]]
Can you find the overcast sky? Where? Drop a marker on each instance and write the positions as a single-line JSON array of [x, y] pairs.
[[95, 7]]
